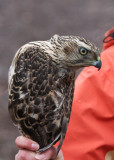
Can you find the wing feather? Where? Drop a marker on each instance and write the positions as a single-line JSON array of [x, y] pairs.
[[35, 97]]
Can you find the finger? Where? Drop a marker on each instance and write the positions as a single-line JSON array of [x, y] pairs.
[[50, 154], [25, 155], [23, 142]]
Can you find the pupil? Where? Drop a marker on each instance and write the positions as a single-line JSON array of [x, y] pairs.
[[83, 50]]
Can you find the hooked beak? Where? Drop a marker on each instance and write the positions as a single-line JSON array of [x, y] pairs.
[[97, 64]]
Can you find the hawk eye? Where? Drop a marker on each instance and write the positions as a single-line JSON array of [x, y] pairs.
[[83, 51]]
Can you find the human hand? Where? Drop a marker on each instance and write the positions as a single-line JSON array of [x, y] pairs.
[[28, 148]]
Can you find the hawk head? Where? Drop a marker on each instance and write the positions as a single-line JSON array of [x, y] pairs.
[[75, 52]]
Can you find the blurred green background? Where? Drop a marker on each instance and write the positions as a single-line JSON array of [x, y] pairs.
[[22, 21]]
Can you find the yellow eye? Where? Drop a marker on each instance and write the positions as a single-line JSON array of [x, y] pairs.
[[83, 51]]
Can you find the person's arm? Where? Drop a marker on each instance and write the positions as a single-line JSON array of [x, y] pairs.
[[27, 149]]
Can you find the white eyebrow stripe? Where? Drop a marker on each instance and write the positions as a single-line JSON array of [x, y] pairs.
[[82, 44]]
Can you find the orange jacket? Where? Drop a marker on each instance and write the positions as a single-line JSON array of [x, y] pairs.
[[90, 133]]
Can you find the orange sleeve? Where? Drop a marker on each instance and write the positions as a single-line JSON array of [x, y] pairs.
[[90, 133]]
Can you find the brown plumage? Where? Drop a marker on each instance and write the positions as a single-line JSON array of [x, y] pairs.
[[41, 86]]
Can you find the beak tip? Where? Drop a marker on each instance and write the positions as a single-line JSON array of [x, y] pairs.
[[98, 64]]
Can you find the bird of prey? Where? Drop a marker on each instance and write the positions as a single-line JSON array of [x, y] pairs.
[[41, 86]]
